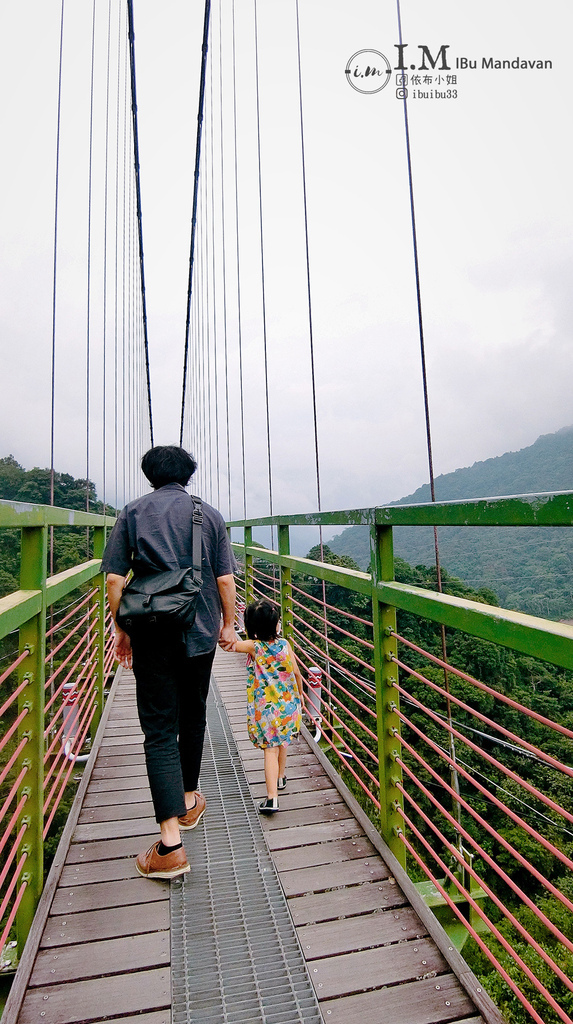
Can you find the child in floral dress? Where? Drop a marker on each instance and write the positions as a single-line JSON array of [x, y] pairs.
[[274, 688]]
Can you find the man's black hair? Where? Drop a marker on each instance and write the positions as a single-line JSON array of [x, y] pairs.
[[168, 464], [261, 620]]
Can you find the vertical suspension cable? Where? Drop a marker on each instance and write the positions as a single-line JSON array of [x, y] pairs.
[[54, 283], [204, 49], [125, 255], [105, 281], [240, 342], [116, 272], [310, 329], [138, 199], [308, 287], [454, 774], [224, 270], [217, 468], [263, 290], [89, 291]]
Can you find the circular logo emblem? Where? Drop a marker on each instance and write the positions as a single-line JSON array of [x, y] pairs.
[[368, 71]]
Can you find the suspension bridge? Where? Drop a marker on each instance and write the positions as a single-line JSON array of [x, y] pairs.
[[420, 868]]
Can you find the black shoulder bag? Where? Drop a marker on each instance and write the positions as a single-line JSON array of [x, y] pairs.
[[166, 599]]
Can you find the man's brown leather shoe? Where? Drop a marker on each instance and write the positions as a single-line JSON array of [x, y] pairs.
[[193, 816], [152, 865]]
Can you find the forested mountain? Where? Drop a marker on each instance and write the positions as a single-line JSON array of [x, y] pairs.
[[33, 486], [529, 569]]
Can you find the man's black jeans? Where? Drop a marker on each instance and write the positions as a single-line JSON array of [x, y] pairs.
[[171, 693]]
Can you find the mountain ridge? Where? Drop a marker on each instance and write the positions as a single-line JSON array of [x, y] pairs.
[[530, 570]]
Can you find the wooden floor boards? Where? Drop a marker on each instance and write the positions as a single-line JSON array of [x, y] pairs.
[[105, 948]]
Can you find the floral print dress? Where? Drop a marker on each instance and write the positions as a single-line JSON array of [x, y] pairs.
[[273, 705]]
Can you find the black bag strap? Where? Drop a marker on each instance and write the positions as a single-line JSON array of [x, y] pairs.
[[197, 549]]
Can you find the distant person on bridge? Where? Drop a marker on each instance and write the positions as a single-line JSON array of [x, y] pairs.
[[172, 667]]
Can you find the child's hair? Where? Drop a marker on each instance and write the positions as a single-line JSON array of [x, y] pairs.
[[261, 620]]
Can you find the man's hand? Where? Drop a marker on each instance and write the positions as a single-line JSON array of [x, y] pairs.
[[227, 637], [122, 648]]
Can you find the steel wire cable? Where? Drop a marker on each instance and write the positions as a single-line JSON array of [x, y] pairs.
[[105, 277], [469, 777], [116, 269], [89, 267], [262, 256], [224, 268], [238, 263], [138, 199], [424, 369], [54, 282], [493, 929], [216, 492], [204, 48], [488, 858]]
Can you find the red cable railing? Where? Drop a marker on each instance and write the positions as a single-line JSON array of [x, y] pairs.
[[70, 706], [489, 831]]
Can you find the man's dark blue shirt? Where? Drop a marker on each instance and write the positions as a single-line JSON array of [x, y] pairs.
[[155, 533]]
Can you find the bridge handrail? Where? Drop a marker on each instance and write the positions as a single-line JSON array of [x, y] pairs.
[[551, 508], [388, 769], [50, 733]]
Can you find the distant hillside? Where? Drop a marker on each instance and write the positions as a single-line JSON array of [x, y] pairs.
[[529, 569]]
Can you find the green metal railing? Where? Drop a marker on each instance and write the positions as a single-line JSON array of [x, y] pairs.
[[467, 780], [526, 634], [25, 613]]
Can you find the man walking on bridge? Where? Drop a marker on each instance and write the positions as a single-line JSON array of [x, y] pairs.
[[172, 667]]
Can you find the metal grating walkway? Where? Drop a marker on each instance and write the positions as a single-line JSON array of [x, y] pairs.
[[235, 955]]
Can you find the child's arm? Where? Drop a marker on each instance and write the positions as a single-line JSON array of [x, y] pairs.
[[296, 670], [243, 647]]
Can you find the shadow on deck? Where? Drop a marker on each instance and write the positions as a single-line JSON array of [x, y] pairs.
[[299, 917]]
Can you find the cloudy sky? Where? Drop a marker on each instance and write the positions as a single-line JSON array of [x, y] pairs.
[[491, 159]]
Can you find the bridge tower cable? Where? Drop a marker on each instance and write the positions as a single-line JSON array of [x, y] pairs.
[[89, 268], [116, 270], [54, 282], [308, 283], [105, 274], [262, 256], [138, 199], [224, 267], [216, 491], [237, 257], [310, 327], [454, 773], [204, 49]]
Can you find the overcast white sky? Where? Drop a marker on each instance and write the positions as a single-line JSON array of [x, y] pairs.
[[492, 179]]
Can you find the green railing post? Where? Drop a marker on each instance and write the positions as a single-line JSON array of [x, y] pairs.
[[384, 619], [33, 568], [286, 586], [99, 582], [248, 540]]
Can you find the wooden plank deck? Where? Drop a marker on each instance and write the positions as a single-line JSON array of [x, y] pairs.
[[104, 949], [103, 942]]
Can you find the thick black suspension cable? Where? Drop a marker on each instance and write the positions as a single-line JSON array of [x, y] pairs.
[[419, 306], [204, 49], [308, 288], [454, 774], [138, 195]]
